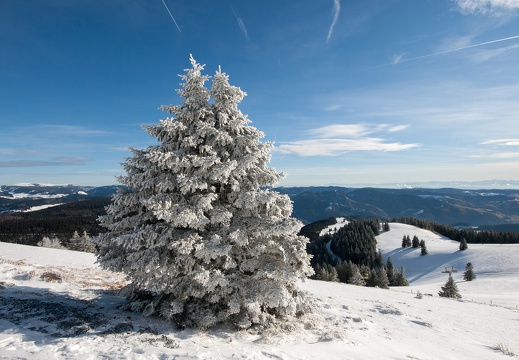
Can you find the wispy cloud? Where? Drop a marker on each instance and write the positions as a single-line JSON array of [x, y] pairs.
[[72, 130], [502, 142], [487, 55], [486, 6], [333, 140], [397, 59], [401, 60], [336, 11], [57, 161], [241, 24]]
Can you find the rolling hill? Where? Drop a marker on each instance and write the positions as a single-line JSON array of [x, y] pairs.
[[79, 315]]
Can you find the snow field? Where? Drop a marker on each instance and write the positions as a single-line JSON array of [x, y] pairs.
[[79, 316]]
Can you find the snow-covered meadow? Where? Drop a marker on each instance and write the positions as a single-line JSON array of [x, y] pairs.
[[58, 304]]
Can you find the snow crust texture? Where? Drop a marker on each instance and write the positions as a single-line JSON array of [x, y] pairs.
[[80, 317]]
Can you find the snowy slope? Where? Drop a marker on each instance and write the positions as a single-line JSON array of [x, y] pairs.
[[496, 266], [78, 317]]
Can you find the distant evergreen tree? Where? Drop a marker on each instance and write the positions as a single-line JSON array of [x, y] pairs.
[[86, 244], [450, 289], [424, 248], [356, 277], [386, 226], [54, 243], [463, 244], [344, 271], [74, 243], [407, 241], [378, 278], [390, 271], [326, 272], [400, 279], [415, 242], [469, 273]]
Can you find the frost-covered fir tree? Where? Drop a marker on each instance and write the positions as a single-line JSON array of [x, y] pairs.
[[74, 241], [198, 231]]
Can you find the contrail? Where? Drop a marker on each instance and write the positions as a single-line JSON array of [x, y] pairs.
[[336, 12], [241, 24], [171, 15], [457, 49]]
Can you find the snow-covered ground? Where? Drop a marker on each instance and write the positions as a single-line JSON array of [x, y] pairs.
[[77, 315]]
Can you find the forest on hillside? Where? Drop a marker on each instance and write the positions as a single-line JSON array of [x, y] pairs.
[[474, 236]]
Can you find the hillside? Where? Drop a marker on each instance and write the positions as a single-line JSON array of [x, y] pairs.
[[30, 211], [78, 317]]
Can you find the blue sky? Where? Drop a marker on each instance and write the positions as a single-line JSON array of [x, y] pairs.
[[353, 93]]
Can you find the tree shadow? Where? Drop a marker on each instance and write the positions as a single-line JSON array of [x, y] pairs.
[[45, 317]]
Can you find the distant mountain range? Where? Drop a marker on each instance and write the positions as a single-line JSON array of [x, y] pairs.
[[450, 206]]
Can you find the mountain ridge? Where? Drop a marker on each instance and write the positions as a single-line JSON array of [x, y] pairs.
[[449, 206]]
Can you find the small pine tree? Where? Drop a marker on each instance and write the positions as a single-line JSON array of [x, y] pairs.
[[404, 242], [407, 241], [400, 279], [386, 226], [86, 244], [378, 278], [450, 289], [356, 277], [424, 250], [415, 242], [463, 244], [74, 243], [469, 273], [390, 271], [344, 271], [54, 243]]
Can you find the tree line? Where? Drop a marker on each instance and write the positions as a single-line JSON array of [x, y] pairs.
[[58, 222], [470, 235]]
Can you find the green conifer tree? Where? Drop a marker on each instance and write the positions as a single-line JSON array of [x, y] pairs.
[[424, 250], [415, 242], [469, 273], [390, 271], [463, 244], [450, 289]]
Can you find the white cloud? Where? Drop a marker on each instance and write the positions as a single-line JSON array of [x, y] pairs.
[[507, 155], [455, 43], [397, 128], [487, 6], [336, 12], [333, 140], [502, 142], [397, 59]]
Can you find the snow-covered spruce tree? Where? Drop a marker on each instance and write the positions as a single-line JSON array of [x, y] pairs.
[[199, 233]]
